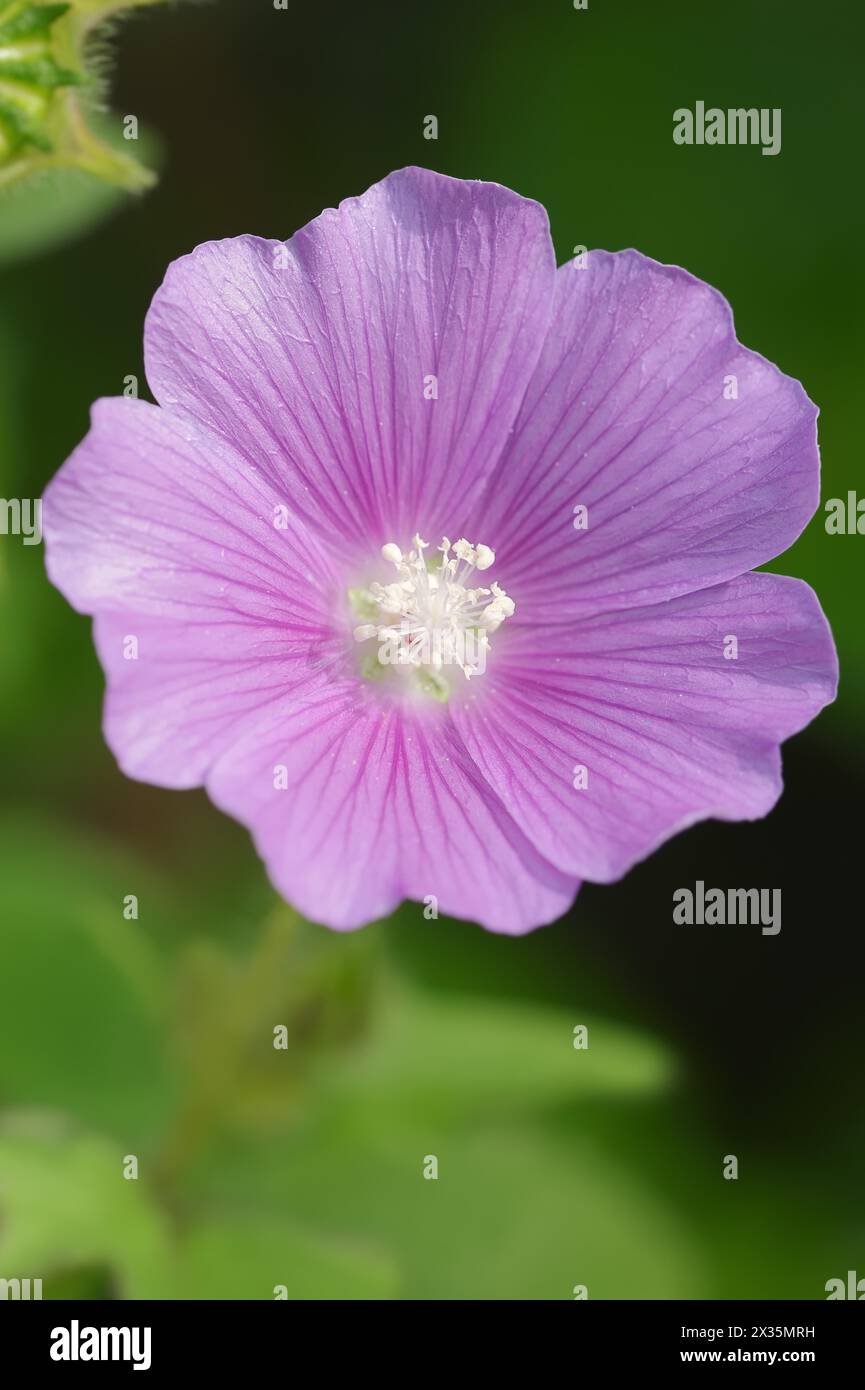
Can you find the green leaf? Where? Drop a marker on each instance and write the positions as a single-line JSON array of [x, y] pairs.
[[66, 1209], [33, 19], [247, 1260], [463, 1054], [514, 1214], [519, 1208], [22, 126], [42, 72], [54, 206], [81, 990], [527, 1202]]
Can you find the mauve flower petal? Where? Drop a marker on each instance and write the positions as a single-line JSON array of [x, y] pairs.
[[158, 529], [669, 730], [626, 415], [194, 687], [160, 516], [311, 355], [381, 806]]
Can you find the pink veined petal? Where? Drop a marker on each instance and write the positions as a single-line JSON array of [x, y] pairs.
[[696, 458], [355, 806], [160, 516], [210, 599], [372, 365], [668, 730], [192, 688]]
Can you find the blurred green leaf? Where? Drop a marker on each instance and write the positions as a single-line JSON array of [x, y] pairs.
[[81, 989], [461, 1054], [519, 1209], [50, 208], [53, 206], [65, 1205], [514, 1215], [237, 1260], [298, 980]]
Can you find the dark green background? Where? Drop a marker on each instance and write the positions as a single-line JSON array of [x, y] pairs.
[[153, 1038]]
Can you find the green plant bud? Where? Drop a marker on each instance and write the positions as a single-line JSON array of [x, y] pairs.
[[47, 90]]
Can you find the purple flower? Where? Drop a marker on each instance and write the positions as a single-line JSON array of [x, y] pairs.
[[432, 563]]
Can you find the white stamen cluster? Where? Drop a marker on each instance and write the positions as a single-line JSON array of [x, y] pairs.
[[430, 615]]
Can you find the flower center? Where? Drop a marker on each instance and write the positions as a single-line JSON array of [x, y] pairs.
[[431, 619]]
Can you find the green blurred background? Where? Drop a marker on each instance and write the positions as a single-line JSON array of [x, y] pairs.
[[304, 1167]]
